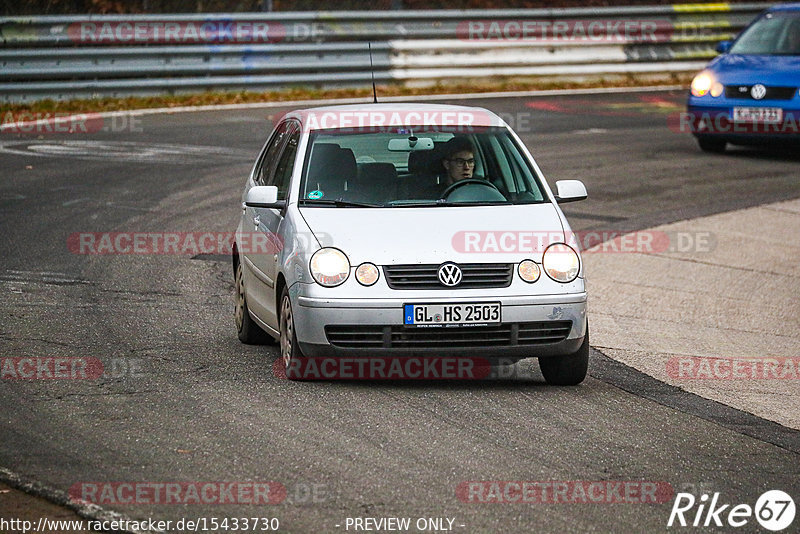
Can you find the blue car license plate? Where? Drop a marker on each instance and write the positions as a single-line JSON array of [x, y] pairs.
[[758, 115]]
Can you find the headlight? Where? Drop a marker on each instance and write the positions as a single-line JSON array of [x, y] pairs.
[[717, 89], [529, 271], [561, 263], [330, 267], [701, 84], [367, 274]]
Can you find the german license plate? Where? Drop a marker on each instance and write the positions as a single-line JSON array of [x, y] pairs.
[[441, 315], [760, 115]]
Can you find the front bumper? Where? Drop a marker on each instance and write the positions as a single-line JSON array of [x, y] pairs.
[[705, 120], [381, 320]]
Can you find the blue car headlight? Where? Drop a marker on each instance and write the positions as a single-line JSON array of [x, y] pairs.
[[701, 85]]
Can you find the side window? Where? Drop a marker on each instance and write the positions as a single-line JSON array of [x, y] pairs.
[[283, 172], [270, 155]]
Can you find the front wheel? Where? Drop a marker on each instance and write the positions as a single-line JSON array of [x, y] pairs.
[[290, 348], [249, 332], [567, 370]]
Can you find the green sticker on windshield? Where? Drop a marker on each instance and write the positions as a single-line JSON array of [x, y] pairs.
[[315, 195]]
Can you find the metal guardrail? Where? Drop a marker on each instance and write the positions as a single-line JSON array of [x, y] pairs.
[[81, 57]]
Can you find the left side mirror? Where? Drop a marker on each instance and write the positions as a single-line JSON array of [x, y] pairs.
[[723, 47], [570, 191], [264, 196]]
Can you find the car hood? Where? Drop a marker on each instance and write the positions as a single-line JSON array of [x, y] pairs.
[[479, 234], [767, 70]]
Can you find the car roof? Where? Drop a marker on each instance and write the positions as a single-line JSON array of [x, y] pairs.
[[401, 114]]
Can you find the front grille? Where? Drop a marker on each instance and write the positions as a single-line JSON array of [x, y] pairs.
[[773, 93], [475, 276], [399, 337]]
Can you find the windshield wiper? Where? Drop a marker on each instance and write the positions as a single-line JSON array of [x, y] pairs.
[[338, 203], [442, 202]]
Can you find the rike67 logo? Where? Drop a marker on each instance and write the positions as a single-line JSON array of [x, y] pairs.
[[774, 510]]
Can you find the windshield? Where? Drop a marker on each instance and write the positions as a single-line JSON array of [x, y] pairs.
[[774, 34], [414, 167]]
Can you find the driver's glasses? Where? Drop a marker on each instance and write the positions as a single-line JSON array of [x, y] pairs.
[[461, 162]]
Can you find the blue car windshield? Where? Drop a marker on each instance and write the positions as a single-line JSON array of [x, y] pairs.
[[776, 33], [412, 166]]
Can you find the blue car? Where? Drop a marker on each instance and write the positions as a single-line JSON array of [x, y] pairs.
[[749, 94]]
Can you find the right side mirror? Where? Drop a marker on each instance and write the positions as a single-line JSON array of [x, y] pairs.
[[570, 191], [264, 196], [724, 46]]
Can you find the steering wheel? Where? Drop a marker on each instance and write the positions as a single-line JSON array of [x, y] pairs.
[[467, 181]]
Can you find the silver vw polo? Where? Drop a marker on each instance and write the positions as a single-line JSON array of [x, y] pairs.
[[409, 231]]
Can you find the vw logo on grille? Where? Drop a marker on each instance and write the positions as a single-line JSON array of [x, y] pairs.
[[450, 274], [758, 91]]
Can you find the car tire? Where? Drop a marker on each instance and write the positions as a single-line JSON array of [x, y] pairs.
[[710, 144], [569, 369], [290, 348], [249, 332]]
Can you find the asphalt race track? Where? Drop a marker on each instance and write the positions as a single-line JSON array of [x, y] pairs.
[[183, 401]]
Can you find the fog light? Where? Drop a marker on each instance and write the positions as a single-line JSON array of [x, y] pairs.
[[367, 274], [529, 271]]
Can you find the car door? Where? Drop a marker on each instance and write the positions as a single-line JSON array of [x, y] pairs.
[[257, 246], [267, 223]]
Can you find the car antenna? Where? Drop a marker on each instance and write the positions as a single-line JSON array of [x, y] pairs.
[[372, 70]]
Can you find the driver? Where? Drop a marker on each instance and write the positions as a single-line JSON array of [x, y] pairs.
[[458, 160]]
